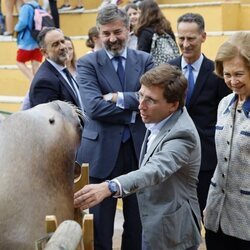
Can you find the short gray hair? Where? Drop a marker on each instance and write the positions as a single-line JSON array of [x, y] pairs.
[[193, 18], [111, 13]]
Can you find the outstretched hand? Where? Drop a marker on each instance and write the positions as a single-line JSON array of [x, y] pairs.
[[91, 195]]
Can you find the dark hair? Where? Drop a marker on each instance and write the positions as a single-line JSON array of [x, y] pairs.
[[73, 61], [43, 33], [193, 18], [152, 16], [111, 13], [93, 32], [171, 79]]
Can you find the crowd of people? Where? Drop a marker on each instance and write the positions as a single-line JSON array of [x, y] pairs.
[[169, 140]]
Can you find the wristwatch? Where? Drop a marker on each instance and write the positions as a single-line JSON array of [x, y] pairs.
[[109, 97], [113, 187]]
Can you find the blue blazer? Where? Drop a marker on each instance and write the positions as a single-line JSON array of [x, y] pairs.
[[208, 91], [102, 132], [49, 85]]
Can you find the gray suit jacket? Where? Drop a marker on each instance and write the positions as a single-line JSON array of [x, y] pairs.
[[102, 134], [166, 185]]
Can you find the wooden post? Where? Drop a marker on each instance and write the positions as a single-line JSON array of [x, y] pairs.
[[88, 231], [79, 183], [67, 237]]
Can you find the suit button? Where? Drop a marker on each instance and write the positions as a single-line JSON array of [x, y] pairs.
[[225, 159], [223, 175], [228, 142], [223, 191]]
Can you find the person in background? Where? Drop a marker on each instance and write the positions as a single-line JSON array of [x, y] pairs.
[[28, 49], [70, 64], [108, 81], [94, 42], [53, 81], [151, 20], [133, 12], [52, 5], [67, 7], [71, 61], [9, 19], [166, 181], [204, 93], [226, 215]]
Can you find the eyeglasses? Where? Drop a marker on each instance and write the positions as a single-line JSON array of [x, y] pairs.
[[147, 100]]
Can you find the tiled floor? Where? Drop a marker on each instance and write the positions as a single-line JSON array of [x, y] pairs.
[[118, 232]]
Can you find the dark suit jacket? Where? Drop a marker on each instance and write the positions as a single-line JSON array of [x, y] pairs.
[[102, 134], [49, 85], [208, 91]]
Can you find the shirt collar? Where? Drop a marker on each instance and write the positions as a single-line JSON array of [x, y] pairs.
[[196, 65], [156, 127], [245, 106], [57, 66], [123, 54]]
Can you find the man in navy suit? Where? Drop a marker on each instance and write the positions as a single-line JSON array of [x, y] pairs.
[[207, 92], [113, 134], [51, 82]]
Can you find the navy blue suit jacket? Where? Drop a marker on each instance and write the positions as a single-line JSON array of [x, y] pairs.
[[102, 134], [49, 85], [208, 91]]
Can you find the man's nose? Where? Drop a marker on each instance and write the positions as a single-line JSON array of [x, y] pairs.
[[112, 38]]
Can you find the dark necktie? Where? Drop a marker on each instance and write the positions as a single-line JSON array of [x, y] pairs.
[[70, 79], [121, 74], [190, 83], [73, 86], [120, 70]]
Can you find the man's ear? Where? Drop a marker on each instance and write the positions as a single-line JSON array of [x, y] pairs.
[[43, 51], [174, 106]]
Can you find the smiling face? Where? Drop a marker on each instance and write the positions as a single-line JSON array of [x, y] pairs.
[[237, 76], [133, 16], [190, 39], [114, 36], [153, 106], [55, 48]]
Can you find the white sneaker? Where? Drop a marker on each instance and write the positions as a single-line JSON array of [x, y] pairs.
[[64, 7]]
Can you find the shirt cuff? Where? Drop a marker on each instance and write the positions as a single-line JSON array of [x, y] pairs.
[[120, 100]]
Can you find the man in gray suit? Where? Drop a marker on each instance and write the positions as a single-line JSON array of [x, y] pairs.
[[112, 137], [166, 181]]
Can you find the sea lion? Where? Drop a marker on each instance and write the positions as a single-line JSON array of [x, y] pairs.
[[37, 155]]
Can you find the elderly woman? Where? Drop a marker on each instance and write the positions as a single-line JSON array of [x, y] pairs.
[[227, 214]]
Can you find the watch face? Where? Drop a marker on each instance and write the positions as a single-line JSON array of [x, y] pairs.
[[113, 187]]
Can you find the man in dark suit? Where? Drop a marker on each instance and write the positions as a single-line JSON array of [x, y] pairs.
[[52, 81], [202, 101], [112, 137]]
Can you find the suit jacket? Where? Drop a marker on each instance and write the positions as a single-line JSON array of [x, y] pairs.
[[228, 200], [49, 85], [102, 134], [208, 91], [166, 185]]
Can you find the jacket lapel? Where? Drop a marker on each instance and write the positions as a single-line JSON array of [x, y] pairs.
[[161, 135], [205, 70], [107, 66]]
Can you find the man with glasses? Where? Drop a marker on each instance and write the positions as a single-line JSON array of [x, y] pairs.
[[166, 181]]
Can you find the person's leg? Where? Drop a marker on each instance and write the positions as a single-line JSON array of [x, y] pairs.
[[54, 12], [35, 66], [25, 70], [104, 214], [220, 241], [9, 21]]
